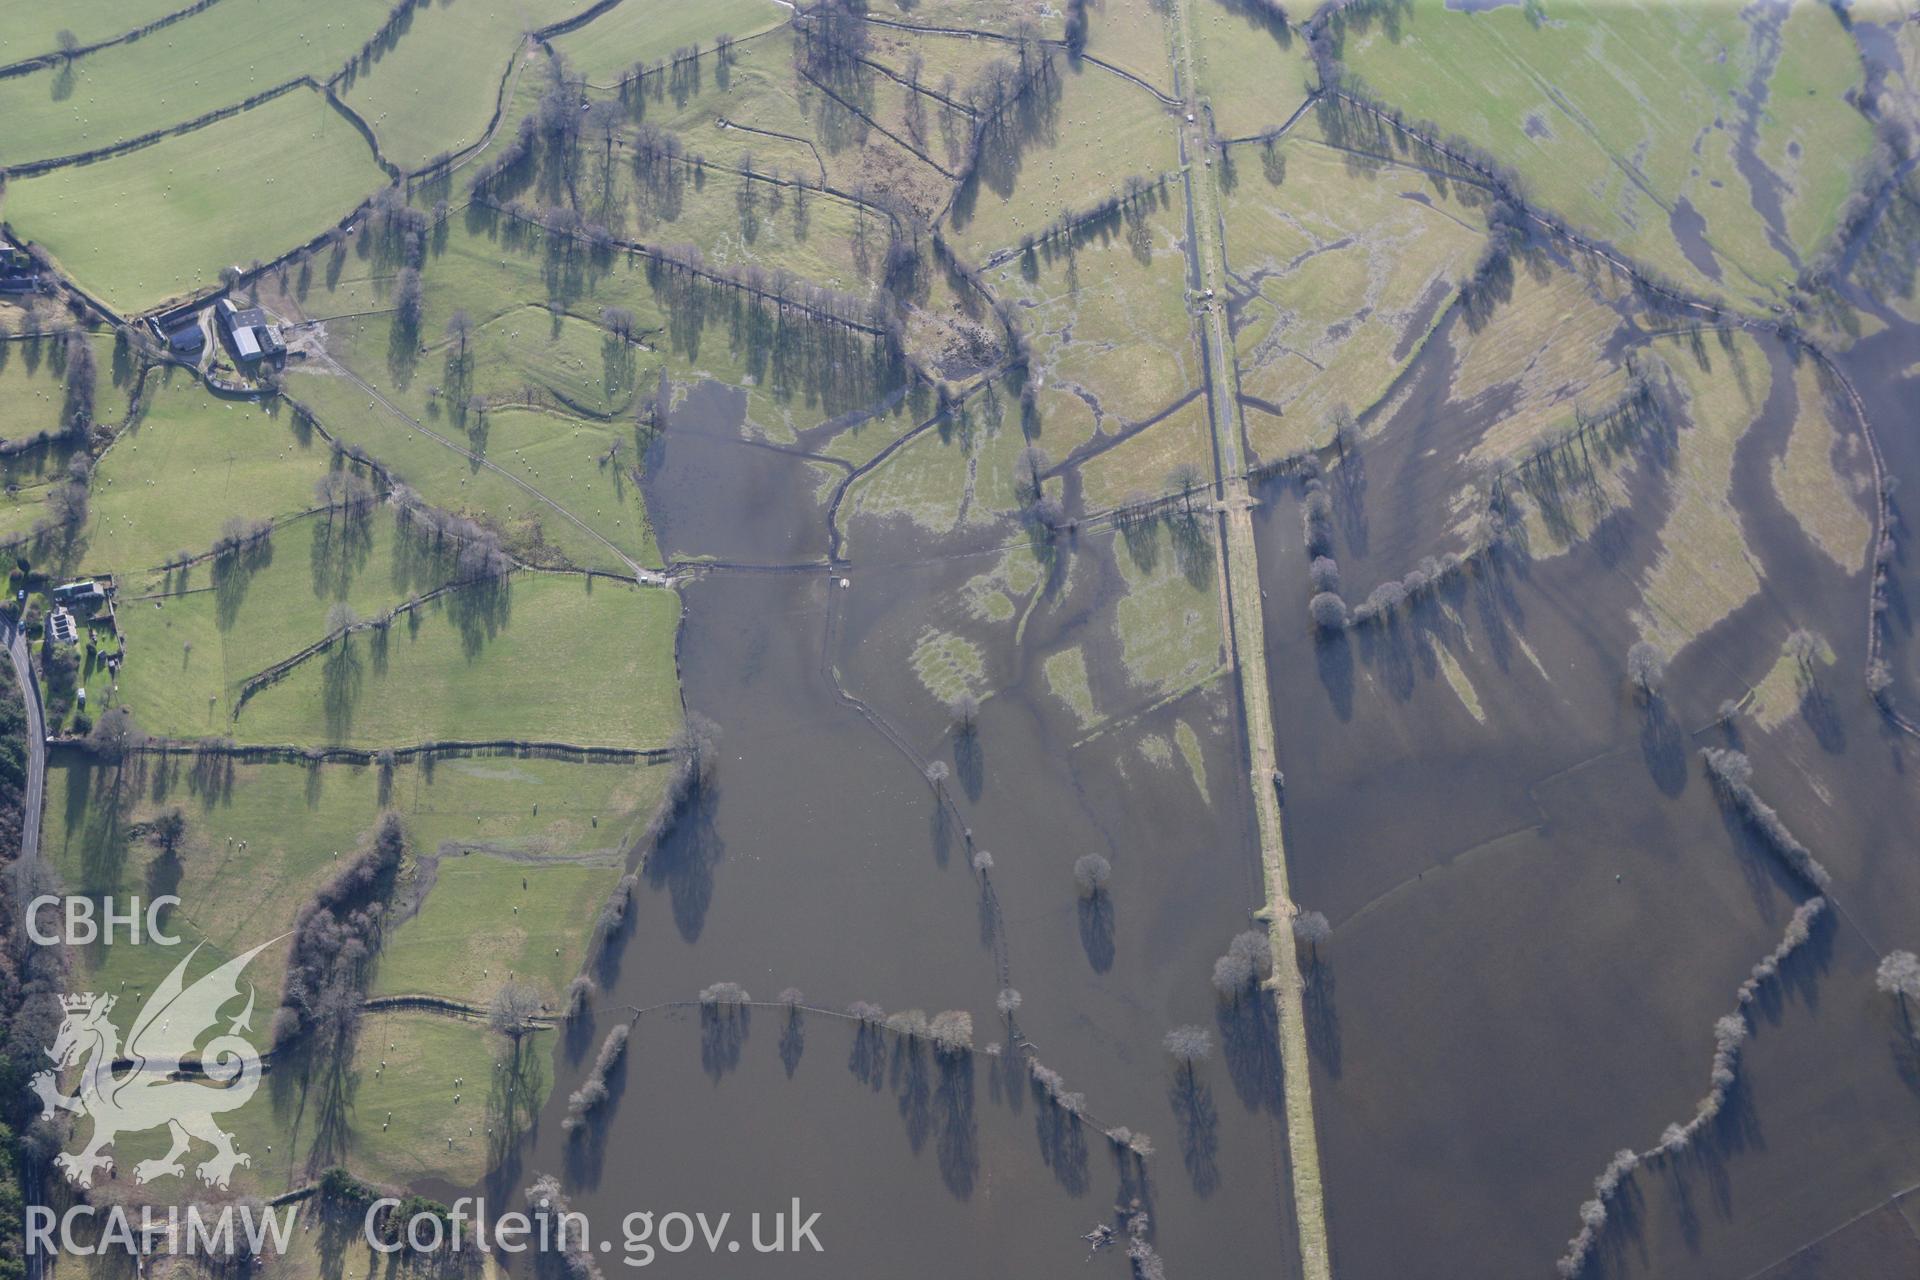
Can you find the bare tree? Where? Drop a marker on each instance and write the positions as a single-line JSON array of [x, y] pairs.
[[1328, 611], [1803, 646], [965, 711], [167, 830], [1646, 668], [514, 1011], [459, 329], [951, 1032], [619, 322], [1311, 927], [1249, 959], [1189, 1045], [407, 297], [81, 376], [1899, 975], [1091, 872], [114, 734]]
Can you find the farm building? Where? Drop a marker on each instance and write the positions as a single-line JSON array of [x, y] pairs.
[[61, 628], [186, 341], [248, 330], [83, 591]]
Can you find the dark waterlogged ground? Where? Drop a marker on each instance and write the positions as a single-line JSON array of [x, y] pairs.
[[1537, 918], [822, 859]]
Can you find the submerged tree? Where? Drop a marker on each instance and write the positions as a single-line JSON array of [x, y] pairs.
[[1646, 668], [1899, 975], [1189, 1045], [1091, 873], [1249, 959], [1311, 927], [965, 711]]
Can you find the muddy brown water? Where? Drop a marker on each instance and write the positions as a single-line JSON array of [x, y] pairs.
[[1497, 1012], [822, 859], [714, 493]]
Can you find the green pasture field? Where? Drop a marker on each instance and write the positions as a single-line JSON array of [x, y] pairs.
[[489, 918], [189, 463], [527, 351], [1143, 464], [217, 58], [544, 658], [960, 57], [493, 269], [435, 89], [199, 633], [1169, 622], [958, 474], [1613, 112], [1331, 241], [1107, 312], [989, 15], [1103, 131], [1253, 76], [33, 394], [1134, 35], [759, 90], [1704, 570], [160, 222], [529, 528], [1548, 344], [1823, 478], [648, 30], [547, 816], [245, 870], [1809, 135], [737, 222], [32, 30]]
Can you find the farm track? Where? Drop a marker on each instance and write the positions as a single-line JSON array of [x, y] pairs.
[[1247, 636]]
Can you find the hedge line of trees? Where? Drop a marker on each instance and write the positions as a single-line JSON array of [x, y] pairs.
[[1730, 1034], [335, 938]]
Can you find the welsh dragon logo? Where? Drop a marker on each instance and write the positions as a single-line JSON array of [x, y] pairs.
[[152, 1084]]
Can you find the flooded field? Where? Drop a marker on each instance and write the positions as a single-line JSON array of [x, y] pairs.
[[1540, 904], [836, 854]]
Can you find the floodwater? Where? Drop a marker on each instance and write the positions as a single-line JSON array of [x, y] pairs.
[[1690, 230], [822, 859], [714, 493], [1539, 911]]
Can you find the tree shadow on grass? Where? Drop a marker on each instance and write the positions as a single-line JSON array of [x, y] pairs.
[[342, 679]]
